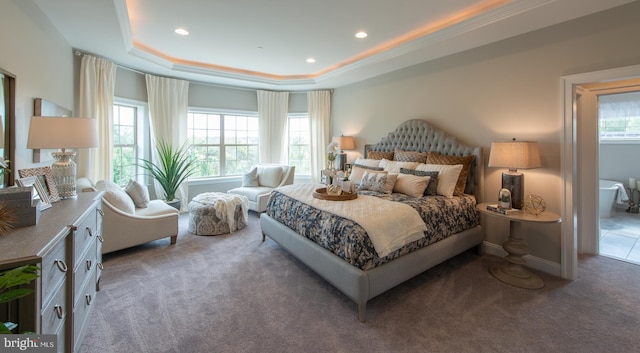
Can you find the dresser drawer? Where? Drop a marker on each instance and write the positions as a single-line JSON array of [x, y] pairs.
[[85, 234], [55, 313], [82, 311], [54, 269], [85, 270]]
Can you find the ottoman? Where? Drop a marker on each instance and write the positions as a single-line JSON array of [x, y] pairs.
[[213, 213]]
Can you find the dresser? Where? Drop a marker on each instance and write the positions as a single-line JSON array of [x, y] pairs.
[[67, 245]]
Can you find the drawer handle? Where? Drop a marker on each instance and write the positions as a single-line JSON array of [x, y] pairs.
[[59, 311], [101, 238], [100, 266], [89, 264], [87, 298], [62, 266], [100, 212], [90, 231]]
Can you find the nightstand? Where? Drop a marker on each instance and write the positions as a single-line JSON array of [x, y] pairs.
[[512, 272]]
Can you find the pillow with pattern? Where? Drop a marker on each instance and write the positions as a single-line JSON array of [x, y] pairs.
[[432, 188], [379, 155], [410, 156], [378, 181], [437, 158], [357, 171]]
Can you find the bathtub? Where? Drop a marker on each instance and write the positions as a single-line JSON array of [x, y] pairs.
[[608, 192]]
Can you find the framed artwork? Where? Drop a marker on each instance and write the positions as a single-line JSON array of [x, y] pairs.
[[44, 175], [42, 107], [40, 194]]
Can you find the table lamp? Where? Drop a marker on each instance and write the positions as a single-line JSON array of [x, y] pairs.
[[63, 133], [346, 143], [514, 155]]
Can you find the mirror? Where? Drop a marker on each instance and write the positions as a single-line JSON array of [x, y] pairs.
[[7, 129]]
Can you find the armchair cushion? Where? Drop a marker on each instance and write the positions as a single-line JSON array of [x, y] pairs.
[[139, 193], [116, 196], [251, 178], [269, 176]]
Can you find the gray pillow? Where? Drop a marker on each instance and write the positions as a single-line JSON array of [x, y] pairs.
[[432, 188], [251, 178]]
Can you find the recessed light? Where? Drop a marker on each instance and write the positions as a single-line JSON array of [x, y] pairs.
[[182, 31], [361, 34], [311, 60]]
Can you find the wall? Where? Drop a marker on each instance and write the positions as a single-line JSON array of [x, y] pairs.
[[507, 89], [42, 62]]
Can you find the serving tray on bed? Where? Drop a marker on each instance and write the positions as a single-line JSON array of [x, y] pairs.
[[322, 194]]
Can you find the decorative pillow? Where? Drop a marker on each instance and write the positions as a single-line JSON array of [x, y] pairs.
[[357, 171], [251, 178], [411, 185], [447, 176], [116, 196], [378, 181], [379, 155], [269, 176], [139, 193], [410, 156], [437, 158], [432, 187], [394, 166], [367, 162]]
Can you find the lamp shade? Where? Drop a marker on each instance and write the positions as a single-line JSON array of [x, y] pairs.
[[515, 155], [62, 132], [347, 143]]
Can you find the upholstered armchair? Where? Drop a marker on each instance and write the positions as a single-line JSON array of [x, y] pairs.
[[130, 218], [261, 180]]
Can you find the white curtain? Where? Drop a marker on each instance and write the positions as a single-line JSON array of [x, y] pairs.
[[97, 85], [319, 105], [273, 109], [168, 104]]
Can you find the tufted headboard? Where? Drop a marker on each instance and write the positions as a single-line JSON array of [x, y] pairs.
[[418, 135]]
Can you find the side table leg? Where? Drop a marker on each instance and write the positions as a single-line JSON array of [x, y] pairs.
[[512, 271]]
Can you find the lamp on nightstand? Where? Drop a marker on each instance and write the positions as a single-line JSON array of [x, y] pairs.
[[346, 143], [514, 155], [63, 133]]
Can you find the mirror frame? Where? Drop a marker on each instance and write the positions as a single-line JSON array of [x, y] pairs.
[[9, 125]]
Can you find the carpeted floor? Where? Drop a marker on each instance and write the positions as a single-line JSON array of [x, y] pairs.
[[234, 293]]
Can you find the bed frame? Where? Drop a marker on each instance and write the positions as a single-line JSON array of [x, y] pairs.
[[359, 285]]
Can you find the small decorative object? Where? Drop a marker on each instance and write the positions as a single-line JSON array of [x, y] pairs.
[[534, 204], [334, 190], [323, 195], [40, 193], [7, 217], [23, 203], [332, 153], [504, 199], [45, 177]]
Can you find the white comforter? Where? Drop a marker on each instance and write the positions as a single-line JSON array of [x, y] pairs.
[[390, 225]]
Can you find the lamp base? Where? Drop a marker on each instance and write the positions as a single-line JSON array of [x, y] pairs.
[[342, 160], [64, 171], [514, 182]]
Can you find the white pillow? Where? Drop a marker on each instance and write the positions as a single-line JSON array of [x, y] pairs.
[[116, 196], [411, 185], [367, 162], [251, 178], [139, 193], [269, 176], [394, 166], [357, 173], [447, 176], [378, 181]]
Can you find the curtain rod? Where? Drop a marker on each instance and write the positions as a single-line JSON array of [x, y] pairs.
[[78, 52]]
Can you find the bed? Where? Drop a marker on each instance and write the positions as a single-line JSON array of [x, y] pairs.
[[362, 277]]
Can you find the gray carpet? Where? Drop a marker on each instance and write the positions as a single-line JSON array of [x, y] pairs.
[[234, 293]]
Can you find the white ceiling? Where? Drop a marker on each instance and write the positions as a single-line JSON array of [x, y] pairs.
[[264, 44]]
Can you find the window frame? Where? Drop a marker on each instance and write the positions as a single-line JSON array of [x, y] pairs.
[[298, 115], [141, 135], [615, 140]]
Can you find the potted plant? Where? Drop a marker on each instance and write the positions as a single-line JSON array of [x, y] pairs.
[[10, 290], [173, 167]]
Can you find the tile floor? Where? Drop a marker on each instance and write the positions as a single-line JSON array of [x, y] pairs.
[[620, 236]]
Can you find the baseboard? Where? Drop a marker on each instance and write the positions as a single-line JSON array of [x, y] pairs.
[[533, 262]]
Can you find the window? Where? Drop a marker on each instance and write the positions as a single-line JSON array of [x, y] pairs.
[[299, 143], [224, 144], [619, 116], [125, 142]]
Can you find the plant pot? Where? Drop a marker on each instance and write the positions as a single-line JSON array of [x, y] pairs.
[[175, 203]]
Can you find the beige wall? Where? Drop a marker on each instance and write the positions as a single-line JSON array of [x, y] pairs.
[[42, 62], [496, 92]]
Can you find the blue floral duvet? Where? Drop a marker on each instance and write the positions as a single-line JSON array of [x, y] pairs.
[[348, 240]]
